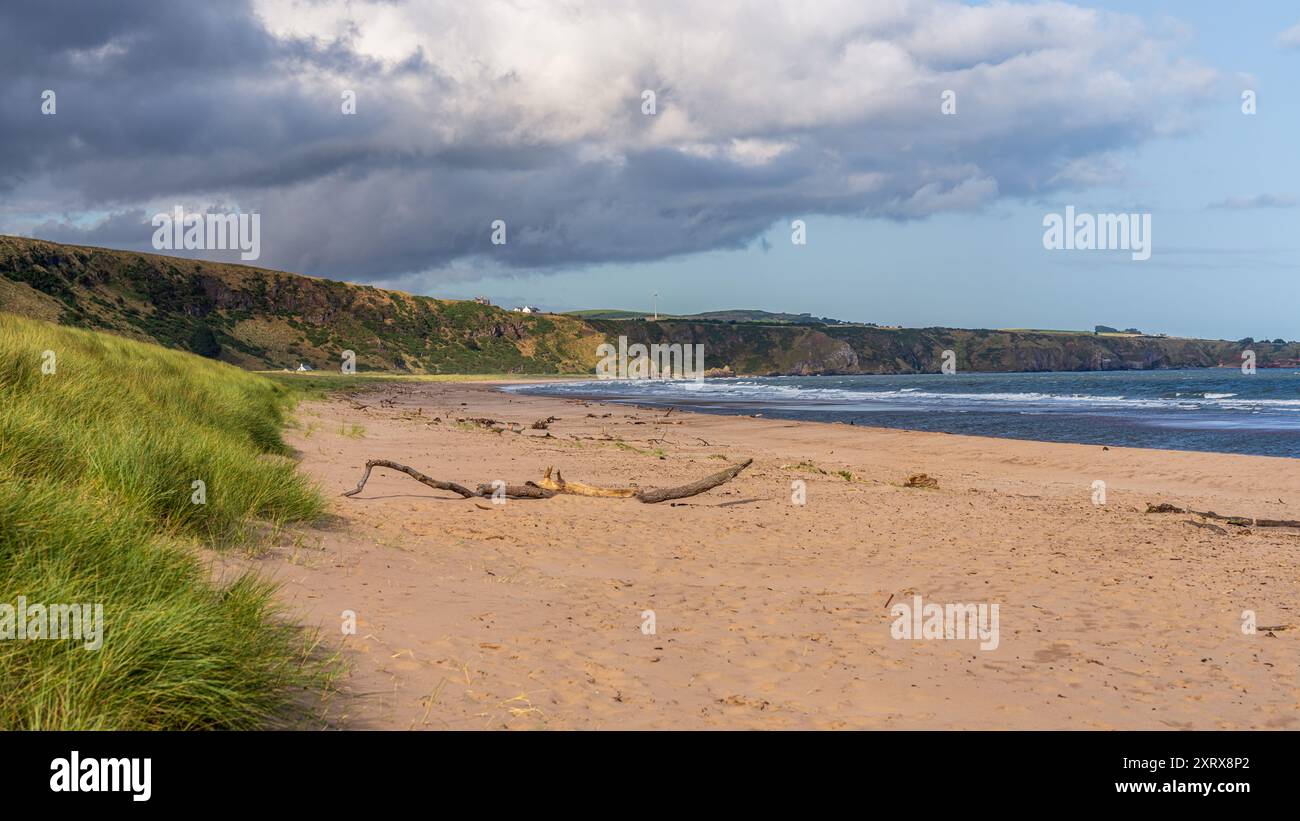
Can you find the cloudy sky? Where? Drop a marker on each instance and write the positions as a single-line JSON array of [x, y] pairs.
[[765, 112]]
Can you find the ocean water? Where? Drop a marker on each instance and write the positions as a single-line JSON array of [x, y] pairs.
[[1220, 409]]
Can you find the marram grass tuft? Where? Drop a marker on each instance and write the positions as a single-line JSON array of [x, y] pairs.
[[103, 442]]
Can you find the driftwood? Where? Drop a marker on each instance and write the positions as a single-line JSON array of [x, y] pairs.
[[1239, 521], [528, 490], [464, 492], [559, 485], [654, 495], [553, 483]]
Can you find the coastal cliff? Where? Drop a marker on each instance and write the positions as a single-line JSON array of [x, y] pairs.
[[259, 318]]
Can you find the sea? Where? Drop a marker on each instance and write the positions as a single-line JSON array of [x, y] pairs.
[[1220, 409]]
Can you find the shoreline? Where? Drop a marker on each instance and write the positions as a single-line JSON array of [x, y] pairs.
[[799, 411], [772, 614]]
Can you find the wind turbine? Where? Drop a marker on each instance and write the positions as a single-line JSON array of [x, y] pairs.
[[656, 307]]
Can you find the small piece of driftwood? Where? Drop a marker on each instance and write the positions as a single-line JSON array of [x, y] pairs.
[[1239, 521], [553, 483]]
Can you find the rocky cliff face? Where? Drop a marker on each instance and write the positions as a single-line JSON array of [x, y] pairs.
[[259, 318]]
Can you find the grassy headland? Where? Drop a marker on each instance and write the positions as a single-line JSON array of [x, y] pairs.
[[264, 319]]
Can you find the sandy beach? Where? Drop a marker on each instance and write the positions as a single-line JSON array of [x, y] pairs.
[[534, 614]]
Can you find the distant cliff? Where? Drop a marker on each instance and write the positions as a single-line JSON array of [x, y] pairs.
[[843, 349], [259, 318]]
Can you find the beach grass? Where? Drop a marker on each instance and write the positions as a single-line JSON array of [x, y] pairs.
[[119, 460]]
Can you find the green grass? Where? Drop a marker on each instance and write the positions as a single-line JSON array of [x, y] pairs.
[[621, 445], [98, 462], [807, 466], [318, 384], [1048, 331], [610, 313]]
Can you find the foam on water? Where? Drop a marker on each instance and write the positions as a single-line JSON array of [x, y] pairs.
[[1215, 409]]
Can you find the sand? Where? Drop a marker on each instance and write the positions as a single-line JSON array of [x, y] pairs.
[[767, 614]]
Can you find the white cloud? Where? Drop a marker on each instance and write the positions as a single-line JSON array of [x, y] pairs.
[[1290, 38], [934, 197], [1256, 201], [1098, 169], [557, 70]]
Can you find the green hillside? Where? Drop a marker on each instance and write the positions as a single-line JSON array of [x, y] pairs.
[[260, 319]]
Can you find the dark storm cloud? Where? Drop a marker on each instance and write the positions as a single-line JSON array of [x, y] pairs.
[[201, 104], [166, 98]]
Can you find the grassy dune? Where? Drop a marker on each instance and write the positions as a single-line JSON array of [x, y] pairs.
[[98, 462]]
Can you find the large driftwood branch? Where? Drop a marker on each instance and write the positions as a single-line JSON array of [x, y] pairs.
[[1239, 521], [465, 492], [552, 485], [652, 495]]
